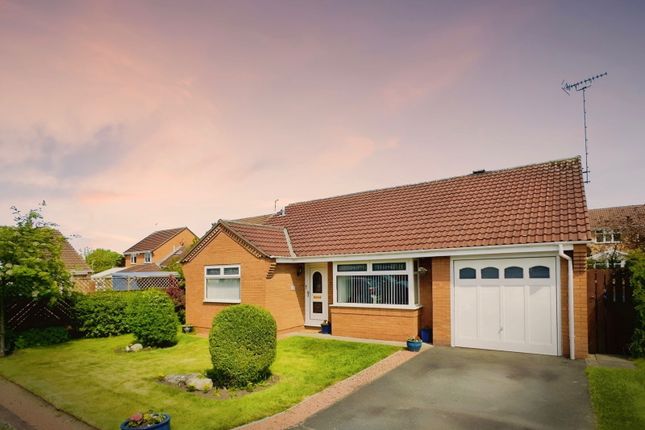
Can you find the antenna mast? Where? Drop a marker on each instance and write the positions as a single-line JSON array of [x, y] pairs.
[[582, 86]]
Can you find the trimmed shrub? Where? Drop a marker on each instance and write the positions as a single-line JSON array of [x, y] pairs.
[[152, 318], [242, 345], [636, 267], [103, 313], [41, 337]]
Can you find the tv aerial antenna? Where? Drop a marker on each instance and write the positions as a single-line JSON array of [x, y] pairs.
[[583, 86]]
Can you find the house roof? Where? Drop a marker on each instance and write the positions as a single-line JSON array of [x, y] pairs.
[[148, 267], [72, 260], [268, 239], [618, 217], [538, 203], [155, 240]]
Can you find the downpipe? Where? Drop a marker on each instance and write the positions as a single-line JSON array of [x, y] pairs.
[[572, 340]]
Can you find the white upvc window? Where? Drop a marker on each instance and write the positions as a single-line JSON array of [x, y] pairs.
[[376, 283], [147, 257], [606, 236], [133, 258], [222, 284]]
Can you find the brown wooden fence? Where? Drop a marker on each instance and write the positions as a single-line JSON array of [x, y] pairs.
[[611, 311]]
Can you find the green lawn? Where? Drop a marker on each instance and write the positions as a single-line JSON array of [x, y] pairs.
[[618, 396], [92, 381]]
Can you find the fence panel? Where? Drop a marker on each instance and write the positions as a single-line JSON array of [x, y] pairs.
[[611, 312]]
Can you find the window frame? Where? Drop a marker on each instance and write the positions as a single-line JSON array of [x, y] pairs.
[[413, 292], [222, 276], [607, 236], [147, 257], [133, 258]]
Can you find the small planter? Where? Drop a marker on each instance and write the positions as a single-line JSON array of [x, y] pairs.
[[187, 328], [414, 345], [164, 425], [325, 328]]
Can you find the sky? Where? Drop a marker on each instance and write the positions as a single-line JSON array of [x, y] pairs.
[[130, 117]]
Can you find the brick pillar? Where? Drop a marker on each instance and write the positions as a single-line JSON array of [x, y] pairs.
[[580, 300], [441, 301]]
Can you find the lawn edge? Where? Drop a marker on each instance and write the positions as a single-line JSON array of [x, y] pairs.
[[35, 402], [321, 400]]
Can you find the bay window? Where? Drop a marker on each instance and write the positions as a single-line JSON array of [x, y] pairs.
[[222, 284], [376, 283]]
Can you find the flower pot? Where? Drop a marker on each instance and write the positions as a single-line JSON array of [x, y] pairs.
[[325, 329], [426, 335], [164, 425], [414, 346]]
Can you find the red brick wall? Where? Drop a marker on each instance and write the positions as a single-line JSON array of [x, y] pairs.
[[441, 326], [375, 323], [580, 298]]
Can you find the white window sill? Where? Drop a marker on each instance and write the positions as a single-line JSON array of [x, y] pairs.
[[375, 306], [221, 301]]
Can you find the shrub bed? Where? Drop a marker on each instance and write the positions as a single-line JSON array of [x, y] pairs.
[[242, 345], [41, 337], [103, 313], [152, 318]]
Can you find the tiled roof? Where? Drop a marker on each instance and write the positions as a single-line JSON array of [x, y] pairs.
[[539, 203], [72, 260], [270, 240], [259, 219], [617, 217], [155, 240], [148, 267]]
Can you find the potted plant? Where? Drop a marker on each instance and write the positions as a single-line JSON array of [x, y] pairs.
[[414, 344], [187, 328], [325, 327], [149, 421]]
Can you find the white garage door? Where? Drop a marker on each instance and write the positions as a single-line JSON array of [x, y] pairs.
[[506, 304]]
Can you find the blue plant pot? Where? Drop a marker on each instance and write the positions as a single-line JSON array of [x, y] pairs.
[[325, 329], [414, 346], [426, 335], [164, 425]]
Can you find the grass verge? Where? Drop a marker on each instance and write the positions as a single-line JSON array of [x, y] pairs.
[[618, 396], [91, 380]]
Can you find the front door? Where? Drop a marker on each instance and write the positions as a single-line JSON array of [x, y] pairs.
[[316, 294]]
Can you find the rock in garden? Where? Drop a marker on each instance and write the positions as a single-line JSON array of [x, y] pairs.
[[199, 384], [179, 379], [134, 348]]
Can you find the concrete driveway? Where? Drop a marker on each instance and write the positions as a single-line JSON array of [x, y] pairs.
[[454, 388]]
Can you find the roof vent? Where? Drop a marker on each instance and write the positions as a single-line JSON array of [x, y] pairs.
[[479, 172]]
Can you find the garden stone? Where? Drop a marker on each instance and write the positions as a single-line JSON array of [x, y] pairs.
[[134, 348], [199, 384], [180, 379]]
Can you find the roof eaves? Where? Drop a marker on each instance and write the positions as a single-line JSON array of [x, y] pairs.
[[243, 241]]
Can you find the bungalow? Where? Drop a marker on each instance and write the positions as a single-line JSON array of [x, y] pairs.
[[615, 232], [493, 260], [160, 247]]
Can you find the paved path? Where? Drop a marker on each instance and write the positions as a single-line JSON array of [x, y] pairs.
[[454, 388], [25, 411]]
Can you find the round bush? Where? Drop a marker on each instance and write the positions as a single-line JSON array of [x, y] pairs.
[[152, 318], [242, 345]]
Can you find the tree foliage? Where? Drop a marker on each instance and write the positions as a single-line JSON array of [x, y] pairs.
[[636, 267], [102, 259], [30, 263]]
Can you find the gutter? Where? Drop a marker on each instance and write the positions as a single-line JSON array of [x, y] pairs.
[[572, 341]]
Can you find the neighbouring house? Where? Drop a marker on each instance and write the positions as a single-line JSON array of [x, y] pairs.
[[615, 232], [493, 260], [160, 247], [77, 267]]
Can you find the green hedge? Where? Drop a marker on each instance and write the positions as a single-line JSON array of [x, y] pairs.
[[41, 337], [242, 346], [103, 313], [636, 267], [152, 318]]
